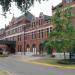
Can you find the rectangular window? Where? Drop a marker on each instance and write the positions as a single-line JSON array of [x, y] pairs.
[[39, 33], [11, 31], [49, 30], [18, 48], [8, 32], [13, 38], [32, 24], [27, 36], [19, 37], [39, 22], [19, 29], [15, 30], [33, 35], [42, 33]]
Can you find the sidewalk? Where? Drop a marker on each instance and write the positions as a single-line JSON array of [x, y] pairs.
[[27, 58]]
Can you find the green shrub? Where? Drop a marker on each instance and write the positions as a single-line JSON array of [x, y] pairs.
[[66, 61]]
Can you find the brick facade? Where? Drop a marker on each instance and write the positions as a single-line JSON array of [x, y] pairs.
[[71, 3], [64, 4], [2, 33], [28, 31]]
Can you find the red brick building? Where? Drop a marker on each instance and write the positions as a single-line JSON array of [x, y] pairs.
[[28, 31], [64, 4], [2, 33], [71, 3], [68, 3]]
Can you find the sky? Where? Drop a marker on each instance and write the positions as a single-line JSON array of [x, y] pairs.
[[44, 7]]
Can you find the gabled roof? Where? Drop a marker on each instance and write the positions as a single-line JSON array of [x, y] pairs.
[[46, 17], [59, 5], [27, 16]]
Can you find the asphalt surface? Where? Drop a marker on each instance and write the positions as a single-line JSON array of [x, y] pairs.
[[12, 64]]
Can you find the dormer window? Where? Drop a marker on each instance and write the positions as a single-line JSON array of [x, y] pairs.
[[41, 15]]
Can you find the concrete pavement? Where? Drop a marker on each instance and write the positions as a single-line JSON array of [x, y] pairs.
[[12, 64], [32, 59]]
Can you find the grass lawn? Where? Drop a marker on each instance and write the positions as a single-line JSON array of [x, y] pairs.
[[4, 73], [48, 61], [51, 61]]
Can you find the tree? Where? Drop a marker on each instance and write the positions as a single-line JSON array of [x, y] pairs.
[[62, 37], [46, 45], [23, 5]]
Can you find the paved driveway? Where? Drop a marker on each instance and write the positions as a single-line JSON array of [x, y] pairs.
[[23, 68]]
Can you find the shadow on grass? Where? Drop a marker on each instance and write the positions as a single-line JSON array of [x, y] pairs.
[[57, 62], [67, 62]]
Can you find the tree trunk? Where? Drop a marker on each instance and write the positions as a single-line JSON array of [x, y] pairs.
[[64, 55]]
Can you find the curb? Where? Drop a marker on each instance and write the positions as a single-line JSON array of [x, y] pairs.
[[57, 66], [44, 64]]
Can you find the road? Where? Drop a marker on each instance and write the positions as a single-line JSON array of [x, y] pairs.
[[13, 65]]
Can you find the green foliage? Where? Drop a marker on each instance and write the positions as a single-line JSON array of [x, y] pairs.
[[66, 62], [48, 48], [23, 5], [61, 38], [5, 4], [68, 13]]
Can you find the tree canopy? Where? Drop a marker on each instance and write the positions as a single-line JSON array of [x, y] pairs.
[[23, 5], [62, 37]]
